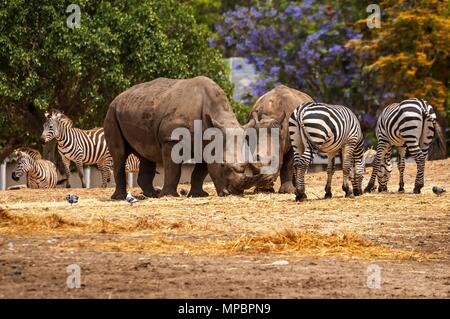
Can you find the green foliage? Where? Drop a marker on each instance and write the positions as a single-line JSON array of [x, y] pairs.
[[45, 64]]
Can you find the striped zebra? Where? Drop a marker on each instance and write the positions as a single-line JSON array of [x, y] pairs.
[[410, 125], [40, 173], [331, 129], [77, 145], [132, 164]]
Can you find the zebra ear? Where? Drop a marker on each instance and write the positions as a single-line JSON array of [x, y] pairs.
[[46, 114]]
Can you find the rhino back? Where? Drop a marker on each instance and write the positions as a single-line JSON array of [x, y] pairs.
[[278, 105]]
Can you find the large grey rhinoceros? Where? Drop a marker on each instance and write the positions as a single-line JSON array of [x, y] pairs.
[[141, 121], [272, 110]]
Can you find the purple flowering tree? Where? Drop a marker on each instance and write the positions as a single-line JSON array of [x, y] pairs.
[[301, 44]]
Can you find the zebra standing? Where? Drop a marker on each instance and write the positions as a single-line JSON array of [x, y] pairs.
[[330, 129], [410, 125], [132, 164], [41, 173], [80, 146]]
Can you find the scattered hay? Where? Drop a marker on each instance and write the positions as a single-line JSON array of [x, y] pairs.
[[288, 243], [306, 242], [11, 223], [26, 224]]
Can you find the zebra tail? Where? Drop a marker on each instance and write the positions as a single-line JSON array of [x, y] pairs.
[[438, 147], [61, 181]]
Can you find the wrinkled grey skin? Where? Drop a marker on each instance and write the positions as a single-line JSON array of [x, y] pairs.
[[141, 121], [272, 110]]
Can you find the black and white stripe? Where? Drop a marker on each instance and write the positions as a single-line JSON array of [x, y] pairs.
[[79, 146], [410, 125], [40, 173], [132, 164], [330, 129]]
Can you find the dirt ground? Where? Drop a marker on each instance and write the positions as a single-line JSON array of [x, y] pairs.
[[255, 246]]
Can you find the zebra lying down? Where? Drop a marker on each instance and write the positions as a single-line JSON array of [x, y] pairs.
[[40, 173], [330, 129]]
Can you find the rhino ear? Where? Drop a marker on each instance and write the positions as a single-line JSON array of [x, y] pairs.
[[218, 124]]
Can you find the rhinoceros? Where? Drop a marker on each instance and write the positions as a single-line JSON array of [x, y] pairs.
[[141, 121], [272, 110]]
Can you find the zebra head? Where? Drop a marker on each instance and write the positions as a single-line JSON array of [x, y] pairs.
[[55, 122], [24, 165]]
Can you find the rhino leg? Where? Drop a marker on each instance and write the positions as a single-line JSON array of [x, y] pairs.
[[286, 173], [172, 173], [198, 176], [116, 145], [147, 171]]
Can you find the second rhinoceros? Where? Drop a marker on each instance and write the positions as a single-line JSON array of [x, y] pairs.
[[272, 110]]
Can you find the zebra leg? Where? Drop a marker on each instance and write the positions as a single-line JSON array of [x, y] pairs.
[[66, 163], [401, 168], [419, 157], [172, 172], [381, 146], [105, 170], [286, 172], [384, 171], [330, 172], [358, 176], [80, 173], [198, 176], [347, 161], [301, 166], [146, 174]]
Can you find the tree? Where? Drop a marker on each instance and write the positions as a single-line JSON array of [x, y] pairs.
[[45, 64], [297, 43], [409, 56]]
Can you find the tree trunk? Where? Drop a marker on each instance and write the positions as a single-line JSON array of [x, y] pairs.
[[12, 144], [50, 152]]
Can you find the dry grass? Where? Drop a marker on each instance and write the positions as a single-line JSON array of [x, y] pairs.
[[53, 224], [288, 243], [374, 225]]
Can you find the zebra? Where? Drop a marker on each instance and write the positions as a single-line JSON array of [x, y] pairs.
[[80, 146], [331, 129], [408, 125], [41, 173], [132, 164]]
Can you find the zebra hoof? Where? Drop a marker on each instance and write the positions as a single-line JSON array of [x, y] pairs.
[[328, 195], [368, 189], [349, 195], [382, 189], [300, 197], [416, 190], [357, 192], [401, 190]]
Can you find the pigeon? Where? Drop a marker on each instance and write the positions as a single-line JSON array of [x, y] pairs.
[[72, 199], [131, 199], [438, 190]]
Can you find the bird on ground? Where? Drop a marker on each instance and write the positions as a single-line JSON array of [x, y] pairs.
[[438, 190], [131, 199], [72, 199]]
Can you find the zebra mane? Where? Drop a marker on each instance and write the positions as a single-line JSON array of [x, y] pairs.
[[34, 154], [61, 117]]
